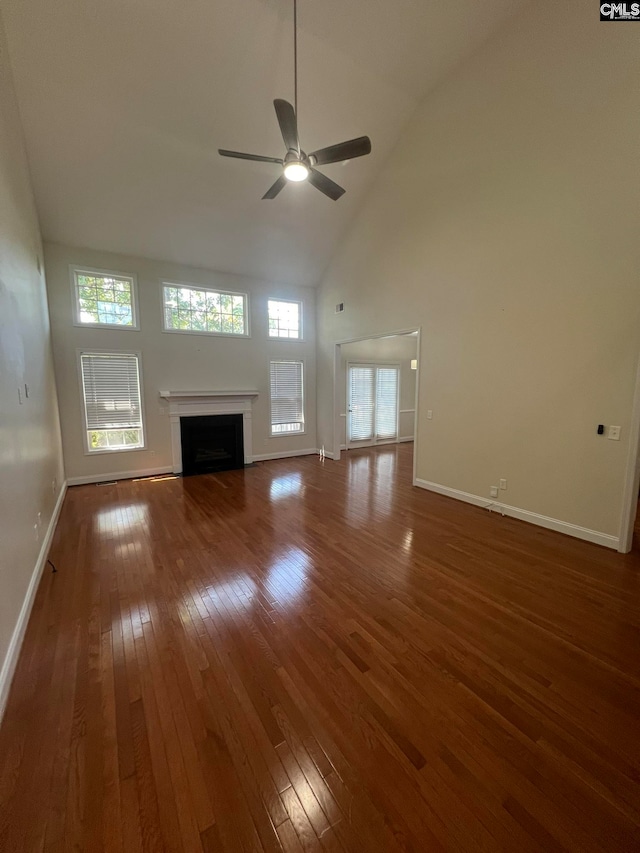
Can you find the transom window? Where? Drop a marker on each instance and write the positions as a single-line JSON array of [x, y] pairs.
[[104, 299], [285, 319], [112, 401], [201, 310], [287, 397]]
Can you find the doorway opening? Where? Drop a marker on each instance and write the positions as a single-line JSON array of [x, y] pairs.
[[376, 391]]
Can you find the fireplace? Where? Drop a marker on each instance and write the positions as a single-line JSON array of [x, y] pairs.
[[211, 443], [185, 405]]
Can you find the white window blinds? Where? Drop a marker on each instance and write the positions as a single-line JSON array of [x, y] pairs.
[[112, 405], [373, 403], [361, 403], [287, 404], [387, 402]]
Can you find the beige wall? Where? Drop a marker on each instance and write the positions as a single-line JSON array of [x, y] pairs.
[[31, 472], [175, 362], [505, 224], [399, 350]]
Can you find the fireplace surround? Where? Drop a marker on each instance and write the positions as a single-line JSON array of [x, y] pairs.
[[187, 404]]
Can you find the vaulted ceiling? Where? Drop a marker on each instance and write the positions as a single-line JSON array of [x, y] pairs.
[[125, 103]]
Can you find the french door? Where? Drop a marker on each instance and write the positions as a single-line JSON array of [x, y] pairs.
[[372, 398]]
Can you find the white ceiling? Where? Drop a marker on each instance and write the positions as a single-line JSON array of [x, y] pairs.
[[125, 103]]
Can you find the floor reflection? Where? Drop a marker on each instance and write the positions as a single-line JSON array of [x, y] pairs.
[[370, 485], [285, 486], [121, 520], [287, 575]]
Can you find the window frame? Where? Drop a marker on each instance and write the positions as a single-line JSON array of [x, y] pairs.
[[303, 431], [193, 286], [297, 302], [75, 269], [83, 416]]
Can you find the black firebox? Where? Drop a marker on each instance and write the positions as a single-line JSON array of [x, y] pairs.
[[211, 443]]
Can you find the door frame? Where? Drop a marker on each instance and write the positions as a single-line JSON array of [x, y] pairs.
[[632, 475], [337, 402], [374, 442]]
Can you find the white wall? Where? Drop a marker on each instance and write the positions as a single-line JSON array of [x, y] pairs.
[[505, 224], [31, 472], [399, 350], [170, 361]]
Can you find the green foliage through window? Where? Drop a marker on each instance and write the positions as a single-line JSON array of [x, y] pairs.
[[198, 310], [104, 299], [114, 439]]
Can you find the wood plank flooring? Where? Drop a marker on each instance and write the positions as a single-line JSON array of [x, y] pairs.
[[315, 656]]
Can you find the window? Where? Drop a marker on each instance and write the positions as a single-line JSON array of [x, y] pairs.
[[104, 299], [287, 406], [200, 310], [112, 404], [373, 403], [284, 319]]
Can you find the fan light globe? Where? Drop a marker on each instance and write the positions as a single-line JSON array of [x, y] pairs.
[[296, 171]]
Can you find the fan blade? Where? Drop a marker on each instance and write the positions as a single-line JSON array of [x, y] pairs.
[[343, 151], [325, 185], [273, 190], [241, 156], [288, 124]]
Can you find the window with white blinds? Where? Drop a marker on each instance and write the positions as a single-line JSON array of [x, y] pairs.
[[287, 398], [362, 391], [112, 401], [386, 402], [373, 403]]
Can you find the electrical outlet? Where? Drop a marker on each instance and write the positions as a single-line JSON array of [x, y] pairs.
[[54, 484], [613, 433], [152, 453], [19, 396], [503, 484], [429, 414], [493, 491]]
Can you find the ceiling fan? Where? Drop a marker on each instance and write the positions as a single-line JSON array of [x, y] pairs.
[[297, 165]]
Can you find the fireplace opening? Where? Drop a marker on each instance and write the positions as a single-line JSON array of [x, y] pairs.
[[211, 443]]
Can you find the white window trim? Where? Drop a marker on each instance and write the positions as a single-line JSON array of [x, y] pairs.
[[247, 334], [97, 351], [300, 315], [304, 399], [74, 269]]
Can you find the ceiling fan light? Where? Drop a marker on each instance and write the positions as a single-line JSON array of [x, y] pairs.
[[296, 171]]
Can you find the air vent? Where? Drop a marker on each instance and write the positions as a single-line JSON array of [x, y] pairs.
[[339, 307]]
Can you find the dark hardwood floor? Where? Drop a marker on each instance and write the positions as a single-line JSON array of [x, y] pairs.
[[317, 656]]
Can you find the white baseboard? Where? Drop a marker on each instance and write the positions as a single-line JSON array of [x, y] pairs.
[[284, 454], [118, 475], [523, 514], [13, 652], [381, 443]]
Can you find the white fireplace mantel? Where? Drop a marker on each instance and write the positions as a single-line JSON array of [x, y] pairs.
[[184, 404]]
